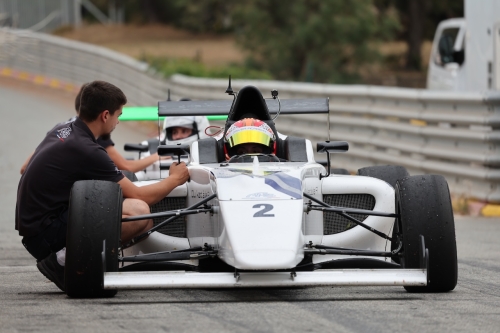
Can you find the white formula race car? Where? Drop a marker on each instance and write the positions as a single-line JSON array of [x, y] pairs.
[[266, 220]]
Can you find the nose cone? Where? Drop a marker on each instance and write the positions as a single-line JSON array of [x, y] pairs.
[[267, 259], [262, 235]]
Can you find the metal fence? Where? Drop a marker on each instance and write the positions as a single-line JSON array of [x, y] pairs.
[[455, 134], [449, 133], [39, 15]]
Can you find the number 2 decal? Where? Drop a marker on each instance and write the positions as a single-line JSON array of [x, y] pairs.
[[263, 211]]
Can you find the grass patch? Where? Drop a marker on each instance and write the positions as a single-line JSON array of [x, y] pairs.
[[171, 66]]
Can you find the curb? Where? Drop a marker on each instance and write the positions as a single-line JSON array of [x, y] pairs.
[[38, 79], [491, 210], [473, 207]]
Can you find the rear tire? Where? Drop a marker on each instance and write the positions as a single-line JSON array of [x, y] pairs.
[[339, 171], [424, 205], [388, 173], [95, 213]]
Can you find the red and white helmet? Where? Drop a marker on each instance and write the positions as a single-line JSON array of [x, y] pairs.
[[249, 130]]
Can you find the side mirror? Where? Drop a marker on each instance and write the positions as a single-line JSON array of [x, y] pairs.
[[135, 147], [329, 147], [332, 147], [176, 150]]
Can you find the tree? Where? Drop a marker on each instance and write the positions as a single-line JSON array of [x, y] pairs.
[[416, 14], [419, 19], [151, 11], [205, 16], [312, 40]]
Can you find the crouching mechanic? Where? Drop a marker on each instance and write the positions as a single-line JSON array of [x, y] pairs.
[[70, 153], [105, 141]]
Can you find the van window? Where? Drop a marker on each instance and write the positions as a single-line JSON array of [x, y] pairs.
[[445, 53]]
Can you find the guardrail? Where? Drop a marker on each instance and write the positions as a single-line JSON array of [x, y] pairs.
[[455, 134], [74, 63]]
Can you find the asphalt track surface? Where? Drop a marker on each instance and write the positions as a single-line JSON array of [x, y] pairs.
[[28, 302]]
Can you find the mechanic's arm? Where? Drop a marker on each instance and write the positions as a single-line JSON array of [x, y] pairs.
[[130, 165], [151, 194], [25, 164]]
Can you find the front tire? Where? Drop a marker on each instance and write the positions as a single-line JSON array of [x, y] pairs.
[[390, 174], [95, 213], [424, 205]]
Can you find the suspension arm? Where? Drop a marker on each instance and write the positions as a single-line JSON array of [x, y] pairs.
[[343, 212], [169, 256], [158, 226], [173, 213]]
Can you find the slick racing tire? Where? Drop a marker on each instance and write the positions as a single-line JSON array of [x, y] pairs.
[[95, 213], [424, 205], [339, 171], [388, 173]]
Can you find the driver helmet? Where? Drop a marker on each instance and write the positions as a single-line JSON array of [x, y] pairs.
[[249, 130], [197, 124]]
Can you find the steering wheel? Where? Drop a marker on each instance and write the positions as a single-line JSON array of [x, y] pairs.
[[248, 158]]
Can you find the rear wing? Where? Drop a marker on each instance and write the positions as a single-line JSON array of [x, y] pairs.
[[222, 107]]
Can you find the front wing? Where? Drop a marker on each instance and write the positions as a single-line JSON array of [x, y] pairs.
[[346, 277]]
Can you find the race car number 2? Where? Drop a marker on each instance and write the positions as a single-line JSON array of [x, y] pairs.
[[264, 210]]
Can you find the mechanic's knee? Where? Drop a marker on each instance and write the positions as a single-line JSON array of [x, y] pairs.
[[133, 207], [150, 223]]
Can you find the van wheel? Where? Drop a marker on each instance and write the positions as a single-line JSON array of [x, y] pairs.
[[95, 213], [424, 205]]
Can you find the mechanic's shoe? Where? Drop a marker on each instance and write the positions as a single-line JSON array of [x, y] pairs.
[[52, 270]]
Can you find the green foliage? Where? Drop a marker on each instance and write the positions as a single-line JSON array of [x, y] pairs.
[[204, 16], [151, 11], [312, 40], [168, 67], [212, 16]]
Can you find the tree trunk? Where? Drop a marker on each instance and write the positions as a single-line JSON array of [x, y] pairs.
[[416, 16], [151, 11]]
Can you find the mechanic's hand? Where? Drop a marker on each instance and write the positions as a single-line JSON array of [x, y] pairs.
[[179, 172]]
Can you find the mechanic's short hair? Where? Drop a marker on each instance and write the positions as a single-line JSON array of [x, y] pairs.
[[98, 96], [78, 98]]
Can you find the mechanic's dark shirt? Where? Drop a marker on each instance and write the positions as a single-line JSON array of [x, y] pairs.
[[104, 141], [68, 153]]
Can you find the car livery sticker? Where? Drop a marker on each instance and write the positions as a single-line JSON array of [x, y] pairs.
[[242, 184], [261, 195], [285, 183]]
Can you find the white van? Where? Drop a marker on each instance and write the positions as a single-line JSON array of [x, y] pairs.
[[465, 52]]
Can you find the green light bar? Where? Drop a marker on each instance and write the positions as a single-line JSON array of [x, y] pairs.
[[149, 113]]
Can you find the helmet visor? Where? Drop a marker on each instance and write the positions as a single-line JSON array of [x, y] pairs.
[[249, 136]]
